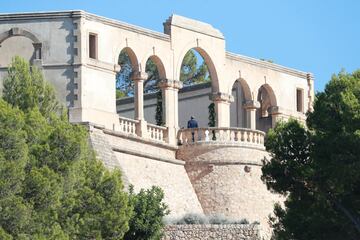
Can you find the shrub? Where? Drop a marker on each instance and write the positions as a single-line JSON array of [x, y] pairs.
[[149, 211], [219, 219], [192, 218]]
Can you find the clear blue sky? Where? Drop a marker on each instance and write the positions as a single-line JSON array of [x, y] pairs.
[[318, 36]]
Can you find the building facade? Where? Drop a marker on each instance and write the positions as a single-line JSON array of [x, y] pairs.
[[205, 170]]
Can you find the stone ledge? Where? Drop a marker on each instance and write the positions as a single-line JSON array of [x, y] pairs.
[[140, 139], [224, 144], [147, 155], [212, 231]]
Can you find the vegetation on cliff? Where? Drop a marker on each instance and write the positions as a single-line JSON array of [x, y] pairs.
[[51, 184], [318, 168]]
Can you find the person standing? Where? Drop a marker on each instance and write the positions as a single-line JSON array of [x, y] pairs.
[[192, 123]]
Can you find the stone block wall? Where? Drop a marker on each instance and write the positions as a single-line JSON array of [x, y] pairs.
[[227, 181], [146, 164], [207, 231]]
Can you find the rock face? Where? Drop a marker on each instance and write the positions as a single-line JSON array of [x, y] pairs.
[[203, 232]]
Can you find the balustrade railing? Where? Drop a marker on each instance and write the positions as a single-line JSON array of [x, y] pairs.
[[196, 135], [225, 135], [128, 125], [157, 133]]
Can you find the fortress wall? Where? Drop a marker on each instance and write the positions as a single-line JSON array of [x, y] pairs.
[[145, 165], [227, 181], [207, 231]]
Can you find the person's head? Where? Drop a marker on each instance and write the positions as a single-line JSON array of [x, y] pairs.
[[192, 117]]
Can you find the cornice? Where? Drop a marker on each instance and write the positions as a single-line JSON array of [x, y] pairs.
[[85, 15], [265, 64]]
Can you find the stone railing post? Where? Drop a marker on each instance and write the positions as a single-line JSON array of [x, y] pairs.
[[139, 78], [250, 107], [222, 108], [170, 89]]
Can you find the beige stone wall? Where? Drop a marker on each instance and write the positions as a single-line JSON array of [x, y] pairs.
[[227, 181], [87, 86], [146, 164], [215, 232]]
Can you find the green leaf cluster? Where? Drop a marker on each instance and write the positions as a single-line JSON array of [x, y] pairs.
[[149, 211], [318, 168], [51, 184]]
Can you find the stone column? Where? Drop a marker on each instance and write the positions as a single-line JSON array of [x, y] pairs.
[[170, 89], [250, 107], [222, 108], [275, 113], [139, 78]]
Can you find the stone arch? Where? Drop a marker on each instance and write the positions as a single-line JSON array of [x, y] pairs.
[[245, 86], [268, 102], [133, 58], [270, 91], [209, 62], [241, 93], [19, 32], [160, 66]]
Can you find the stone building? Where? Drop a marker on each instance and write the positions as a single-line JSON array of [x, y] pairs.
[[217, 173]]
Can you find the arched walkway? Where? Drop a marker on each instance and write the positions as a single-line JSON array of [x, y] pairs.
[[238, 114], [267, 100], [196, 73]]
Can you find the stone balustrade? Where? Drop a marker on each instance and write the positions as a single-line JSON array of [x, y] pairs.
[[128, 125], [154, 132], [157, 133], [221, 135]]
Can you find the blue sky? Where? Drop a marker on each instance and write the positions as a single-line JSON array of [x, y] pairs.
[[320, 36]]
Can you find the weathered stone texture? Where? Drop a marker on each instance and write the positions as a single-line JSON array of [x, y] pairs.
[[146, 165], [227, 181], [203, 232]]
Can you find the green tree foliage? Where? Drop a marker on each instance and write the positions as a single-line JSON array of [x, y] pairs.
[[26, 88], [124, 84], [318, 168], [212, 115], [51, 185], [149, 211], [192, 72], [159, 109]]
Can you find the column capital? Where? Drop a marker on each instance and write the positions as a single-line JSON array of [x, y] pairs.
[[251, 104], [138, 76], [274, 110], [168, 83], [117, 68], [221, 97], [37, 45]]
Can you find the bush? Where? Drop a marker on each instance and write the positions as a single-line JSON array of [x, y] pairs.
[[192, 218], [219, 219], [149, 211], [51, 184], [242, 221]]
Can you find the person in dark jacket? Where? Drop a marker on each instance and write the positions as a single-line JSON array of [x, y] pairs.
[[192, 123]]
